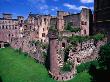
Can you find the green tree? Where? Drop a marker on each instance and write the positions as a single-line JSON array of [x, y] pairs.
[[67, 66], [70, 27], [102, 74], [98, 37], [104, 58]]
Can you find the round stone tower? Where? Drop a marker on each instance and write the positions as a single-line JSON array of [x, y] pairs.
[[54, 68]]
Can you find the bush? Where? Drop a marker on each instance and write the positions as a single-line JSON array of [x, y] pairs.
[[67, 66], [44, 46], [86, 66], [98, 37], [104, 56], [53, 29], [66, 52], [78, 39], [71, 28], [36, 43], [44, 54]]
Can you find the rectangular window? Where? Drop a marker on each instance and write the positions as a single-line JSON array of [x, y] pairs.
[[3, 27], [6, 27], [43, 34], [43, 29], [83, 23], [45, 20], [84, 31]]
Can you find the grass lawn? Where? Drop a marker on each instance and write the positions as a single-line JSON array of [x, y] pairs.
[[81, 77], [15, 67]]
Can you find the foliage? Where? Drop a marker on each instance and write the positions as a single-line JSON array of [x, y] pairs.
[[40, 44], [104, 56], [86, 66], [44, 46], [78, 39], [60, 38], [71, 28], [66, 52], [53, 29], [98, 37], [102, 74], [67, 66], [76, 29], [36, 43], [44, 54]]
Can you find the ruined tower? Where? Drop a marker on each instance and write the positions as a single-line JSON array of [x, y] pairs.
[[85, 21], [54, 68], [60, 20]]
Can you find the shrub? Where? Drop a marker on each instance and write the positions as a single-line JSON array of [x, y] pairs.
[[67, 66], [78, 39], [104, 56], [44, 46], [66, 52], [86, 66], [44, 54], [71, 28], [98, 37]]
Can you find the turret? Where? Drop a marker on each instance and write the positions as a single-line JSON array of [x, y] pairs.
[[54, 68]]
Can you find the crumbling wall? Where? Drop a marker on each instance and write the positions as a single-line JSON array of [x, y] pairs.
[[83, 52], [25, 45]]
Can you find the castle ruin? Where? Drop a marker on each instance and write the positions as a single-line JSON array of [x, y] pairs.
[[29, 34]]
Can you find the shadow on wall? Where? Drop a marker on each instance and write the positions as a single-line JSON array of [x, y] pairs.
[[47, 61]]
